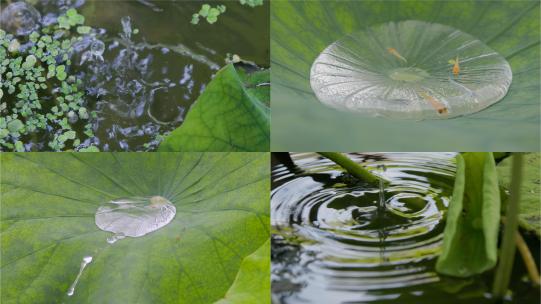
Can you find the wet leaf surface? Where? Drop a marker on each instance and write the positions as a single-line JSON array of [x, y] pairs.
[[47, 214]]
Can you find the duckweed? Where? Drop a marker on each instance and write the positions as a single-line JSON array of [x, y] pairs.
[[39, 96]]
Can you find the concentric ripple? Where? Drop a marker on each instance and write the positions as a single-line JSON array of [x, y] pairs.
[[332, 245], [410, 70]]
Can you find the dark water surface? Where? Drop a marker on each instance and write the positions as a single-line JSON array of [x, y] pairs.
[[173, 62], [331, 243], [146, 64]]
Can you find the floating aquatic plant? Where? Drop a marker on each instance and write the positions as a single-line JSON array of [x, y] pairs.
[[39, 96], [251, 3], [208, 13], [410, 70], [211, 13]]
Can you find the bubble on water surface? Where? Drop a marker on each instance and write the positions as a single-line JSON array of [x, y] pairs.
[[20, 18], [134, 216], [86, 260], [410, 70]]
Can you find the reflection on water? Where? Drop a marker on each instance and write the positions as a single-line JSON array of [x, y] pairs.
[[332, 244]]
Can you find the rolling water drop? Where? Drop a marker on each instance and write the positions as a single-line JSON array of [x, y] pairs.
[[410, 70], [86, 260], [134, 216]]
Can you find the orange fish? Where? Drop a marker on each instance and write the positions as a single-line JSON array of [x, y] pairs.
[[456, 67], [395, 53], [436, 104]]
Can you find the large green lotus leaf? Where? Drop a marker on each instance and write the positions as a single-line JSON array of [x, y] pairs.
[[48, 204], [228, 116], [530, 190], [301, 30], [470, 241], [254, 273]]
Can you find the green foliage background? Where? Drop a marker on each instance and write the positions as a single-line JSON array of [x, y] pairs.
[[301, 30], [530, 195]]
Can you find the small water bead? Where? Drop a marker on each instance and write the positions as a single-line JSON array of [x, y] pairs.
[[20, 18], [410, 70], [134, 216], [86, 260], [112, 239]]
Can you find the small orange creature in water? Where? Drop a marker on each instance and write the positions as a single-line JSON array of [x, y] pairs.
[[395, 53], [456, 67], [436, 104]]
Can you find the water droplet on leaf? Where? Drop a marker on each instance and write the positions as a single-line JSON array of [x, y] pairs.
[[86, 260], [134, 216], [410, 70]]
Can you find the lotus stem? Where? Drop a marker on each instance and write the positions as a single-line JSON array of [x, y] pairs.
[[352, 167], [507, 249], [527, 257], [529, 261]]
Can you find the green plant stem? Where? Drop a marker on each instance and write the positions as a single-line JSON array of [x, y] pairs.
[[508, 247], [352, 167], [528, 259]]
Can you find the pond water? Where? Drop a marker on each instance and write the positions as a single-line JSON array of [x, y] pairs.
[[146, 64], [332, 244]]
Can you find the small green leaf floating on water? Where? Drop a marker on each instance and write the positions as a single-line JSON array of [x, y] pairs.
[[209, 13], [228, 116], [251, 3], [71, 18], [470, 241]]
